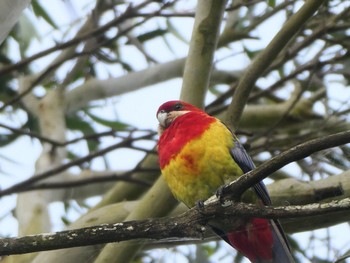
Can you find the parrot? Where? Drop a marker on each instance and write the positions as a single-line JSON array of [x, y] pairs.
[[197, 155]]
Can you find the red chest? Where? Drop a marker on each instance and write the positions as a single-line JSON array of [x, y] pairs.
[[184, 129]]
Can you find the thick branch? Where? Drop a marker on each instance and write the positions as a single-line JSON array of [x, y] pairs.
[[188, 225], [10, 12], [202, 47], [239, 186]]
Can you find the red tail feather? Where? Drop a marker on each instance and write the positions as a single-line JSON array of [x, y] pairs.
[[260, 241]]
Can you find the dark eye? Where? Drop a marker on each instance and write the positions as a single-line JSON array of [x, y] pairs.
[[178, 106]]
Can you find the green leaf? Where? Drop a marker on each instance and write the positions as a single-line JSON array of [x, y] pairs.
[[71, 155], [151, 34], [77, 123], [272, 3], [39, 11], [65, 220], [115, 125], [25, 33], [6, 139], [251, 54], [210, 250], [126, 66], [6, 93]]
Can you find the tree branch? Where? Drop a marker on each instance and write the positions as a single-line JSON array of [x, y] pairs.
[[187, 225], [205, 33], [10, 12], [129, 13], [41, 176], [203, 44], [111, 177], [265, 58], [62, 60], [239, 186]]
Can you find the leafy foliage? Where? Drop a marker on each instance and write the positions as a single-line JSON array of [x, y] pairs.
[[108, 64]]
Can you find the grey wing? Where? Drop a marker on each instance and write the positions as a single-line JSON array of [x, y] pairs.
[[244, 161]]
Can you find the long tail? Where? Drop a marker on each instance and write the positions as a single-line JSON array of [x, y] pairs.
[[281, 250], [260, 240]]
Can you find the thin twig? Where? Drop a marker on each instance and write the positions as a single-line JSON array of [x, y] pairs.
[[53, 66], [41, 176], [129, 13], [94, 136], [265, 58], [113, 177]]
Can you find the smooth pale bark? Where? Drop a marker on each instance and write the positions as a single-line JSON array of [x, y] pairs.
[[32, 207], [203, 44], [198, 65], [10, 11], [95, 89], [157, 202]]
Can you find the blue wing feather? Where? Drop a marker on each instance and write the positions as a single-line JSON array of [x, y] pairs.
[[244, 161], [281, 250]]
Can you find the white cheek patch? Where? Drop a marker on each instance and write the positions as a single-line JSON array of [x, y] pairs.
[[162, 116], [165, 119]]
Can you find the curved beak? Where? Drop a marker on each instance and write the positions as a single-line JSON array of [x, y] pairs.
[[166, 118], [162, 117]]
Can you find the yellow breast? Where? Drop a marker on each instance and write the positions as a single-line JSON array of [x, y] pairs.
[[202, 165]]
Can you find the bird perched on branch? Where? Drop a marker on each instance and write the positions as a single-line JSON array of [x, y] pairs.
[[198, 154]]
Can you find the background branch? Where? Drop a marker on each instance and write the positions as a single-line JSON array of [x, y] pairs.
[[265, 58], [94, 78]]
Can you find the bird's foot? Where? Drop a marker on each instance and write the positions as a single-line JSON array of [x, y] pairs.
[[200, 206], [220, 194]]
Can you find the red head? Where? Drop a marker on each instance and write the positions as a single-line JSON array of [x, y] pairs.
[[170, 110]]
